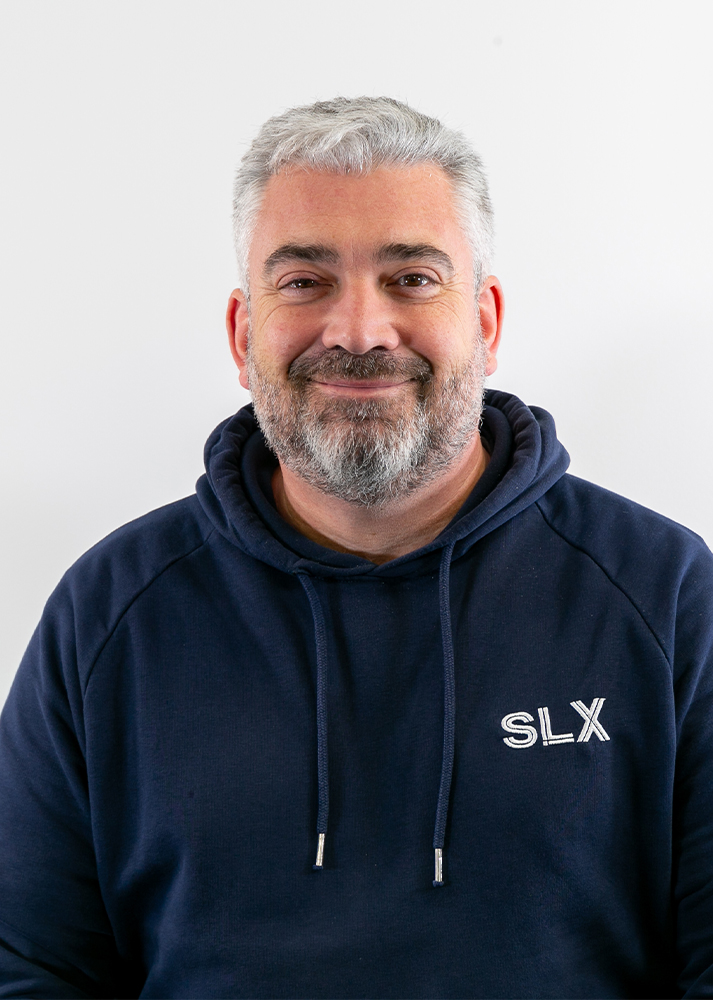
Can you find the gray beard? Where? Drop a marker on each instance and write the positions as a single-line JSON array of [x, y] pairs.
[[372, 451]]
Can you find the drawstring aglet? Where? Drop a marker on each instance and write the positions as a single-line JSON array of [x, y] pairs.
[[438, 880], [318, 865]]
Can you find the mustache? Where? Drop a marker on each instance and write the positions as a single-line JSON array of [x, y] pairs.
[[336, 362]]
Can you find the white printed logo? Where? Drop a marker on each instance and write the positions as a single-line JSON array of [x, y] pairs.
[[526, 735]]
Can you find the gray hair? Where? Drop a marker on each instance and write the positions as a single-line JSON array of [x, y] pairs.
[[356, 135]]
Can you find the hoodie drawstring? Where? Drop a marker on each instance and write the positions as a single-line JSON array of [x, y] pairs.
[[449, 711], [320, 638]]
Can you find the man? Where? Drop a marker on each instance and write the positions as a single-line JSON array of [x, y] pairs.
[[392, 707]]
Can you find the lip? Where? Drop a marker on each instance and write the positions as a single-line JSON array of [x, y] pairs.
[[361, 385]]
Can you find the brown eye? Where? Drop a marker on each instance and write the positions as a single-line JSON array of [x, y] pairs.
[[301, 283], [413, 280]]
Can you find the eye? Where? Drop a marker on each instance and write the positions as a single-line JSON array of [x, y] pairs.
[[300, 283], [415, 284], [302, 287], [413, 280]]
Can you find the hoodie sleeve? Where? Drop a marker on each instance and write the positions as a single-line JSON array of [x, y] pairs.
[[55, 935], [693, 796]]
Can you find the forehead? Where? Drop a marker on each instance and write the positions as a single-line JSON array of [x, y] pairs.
[[358, 212]]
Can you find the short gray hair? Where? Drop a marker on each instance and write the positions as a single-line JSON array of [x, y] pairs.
[[356, 135]]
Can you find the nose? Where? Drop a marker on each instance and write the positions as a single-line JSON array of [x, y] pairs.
[[360, 319]]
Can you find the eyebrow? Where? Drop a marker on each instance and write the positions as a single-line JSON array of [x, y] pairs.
[[320, 253], [312, 253], [425, 252]]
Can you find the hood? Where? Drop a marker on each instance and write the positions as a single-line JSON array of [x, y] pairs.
[[532, 462], [538, 460]]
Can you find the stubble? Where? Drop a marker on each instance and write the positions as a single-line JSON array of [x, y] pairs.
[[369, 451]]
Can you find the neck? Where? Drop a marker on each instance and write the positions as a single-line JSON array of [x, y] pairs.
[[379, 534]]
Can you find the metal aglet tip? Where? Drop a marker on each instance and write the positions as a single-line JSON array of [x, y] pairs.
[[320, 851], [438, 880]]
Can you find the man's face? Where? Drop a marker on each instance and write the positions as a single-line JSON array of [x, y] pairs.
[[363, 349]]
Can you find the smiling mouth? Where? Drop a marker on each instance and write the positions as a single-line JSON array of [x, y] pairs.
[[361, 385]]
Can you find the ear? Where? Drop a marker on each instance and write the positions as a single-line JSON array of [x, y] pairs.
[[236, 323], [490, 304]]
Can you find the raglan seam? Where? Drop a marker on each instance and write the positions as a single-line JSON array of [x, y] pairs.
[[615, 583], [122, 614], [47, 951]]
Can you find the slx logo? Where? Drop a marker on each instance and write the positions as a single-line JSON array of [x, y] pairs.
[[526, 735]]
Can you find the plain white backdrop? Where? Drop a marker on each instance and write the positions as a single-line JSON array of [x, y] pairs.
[[121, 125]]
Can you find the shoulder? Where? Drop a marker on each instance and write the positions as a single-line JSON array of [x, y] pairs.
[[664, 568], [143, 548], [98, 589], [615, 528]]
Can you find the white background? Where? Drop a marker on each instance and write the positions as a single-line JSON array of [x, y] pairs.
[[121, 125]]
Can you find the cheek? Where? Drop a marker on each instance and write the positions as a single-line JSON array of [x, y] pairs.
[[285, 335], [445, 331], [443, 349]]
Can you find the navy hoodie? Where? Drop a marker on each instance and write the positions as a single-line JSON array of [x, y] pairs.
[[208, 691]]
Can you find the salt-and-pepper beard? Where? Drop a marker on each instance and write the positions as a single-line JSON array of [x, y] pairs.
[[369, 451]]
